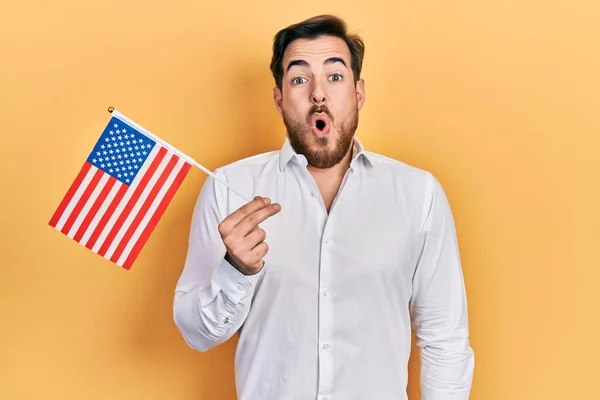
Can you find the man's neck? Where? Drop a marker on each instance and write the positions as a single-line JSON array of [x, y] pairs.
[[336, 172], [329, 180]]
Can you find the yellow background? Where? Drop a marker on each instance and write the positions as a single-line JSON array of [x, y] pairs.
[[499, 99]]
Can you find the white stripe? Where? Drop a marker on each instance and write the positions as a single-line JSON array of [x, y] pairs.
[[69, 209], [159, 197], [94, 223], [138, 204], [88, 205], [113, 219]]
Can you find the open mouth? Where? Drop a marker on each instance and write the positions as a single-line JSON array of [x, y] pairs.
[[320, 124]]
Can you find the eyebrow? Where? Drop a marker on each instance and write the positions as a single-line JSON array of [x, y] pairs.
[[303, 63]]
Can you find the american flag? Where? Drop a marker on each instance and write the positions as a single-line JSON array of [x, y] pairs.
[[121, 191]]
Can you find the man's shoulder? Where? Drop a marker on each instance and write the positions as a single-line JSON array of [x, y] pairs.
[[399, 169]]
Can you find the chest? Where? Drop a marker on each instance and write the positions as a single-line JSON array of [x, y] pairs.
[[365, 236]]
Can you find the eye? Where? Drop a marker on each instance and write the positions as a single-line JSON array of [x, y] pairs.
[[336, 77], [298, 80]]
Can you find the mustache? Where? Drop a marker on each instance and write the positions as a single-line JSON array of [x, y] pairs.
[[318, 109]]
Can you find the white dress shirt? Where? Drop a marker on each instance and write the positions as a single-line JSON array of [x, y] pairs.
[[329, 315]]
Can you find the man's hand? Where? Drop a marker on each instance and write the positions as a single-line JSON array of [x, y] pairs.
[[243, 238]]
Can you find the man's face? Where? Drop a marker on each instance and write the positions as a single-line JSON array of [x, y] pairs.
[[319, 102]]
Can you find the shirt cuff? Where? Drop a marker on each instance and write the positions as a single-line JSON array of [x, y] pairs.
[[233, 283]]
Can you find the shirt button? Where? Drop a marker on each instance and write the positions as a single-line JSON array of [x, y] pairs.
[[325, 346], [325, 293], [240, 287]]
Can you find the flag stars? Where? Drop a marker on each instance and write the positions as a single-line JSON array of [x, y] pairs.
[[121, 152]]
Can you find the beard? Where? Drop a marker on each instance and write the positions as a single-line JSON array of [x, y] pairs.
[[316, 149]]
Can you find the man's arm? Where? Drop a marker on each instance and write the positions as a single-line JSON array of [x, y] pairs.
[[212, 297], [439, 305]]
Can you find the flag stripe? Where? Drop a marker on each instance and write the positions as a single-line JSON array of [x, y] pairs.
[[83, 213], [156, 189], [106, 201], [136, 204], [73, 200], [95, 202], [70, 193], [116, 208], [131, 241], [105, 218], [123, 214], [156, 216], [78, 202]]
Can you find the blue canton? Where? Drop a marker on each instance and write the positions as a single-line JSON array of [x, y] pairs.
[[121, 151]]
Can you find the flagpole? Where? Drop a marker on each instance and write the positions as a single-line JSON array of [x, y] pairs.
[[165, 144]]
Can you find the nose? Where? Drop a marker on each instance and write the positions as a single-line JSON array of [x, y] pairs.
[[317, 95]]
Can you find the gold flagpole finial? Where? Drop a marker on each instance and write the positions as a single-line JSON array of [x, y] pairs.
[[111, 109]]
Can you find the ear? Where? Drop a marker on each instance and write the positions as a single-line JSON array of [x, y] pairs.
[[360, 93], [278, 99]]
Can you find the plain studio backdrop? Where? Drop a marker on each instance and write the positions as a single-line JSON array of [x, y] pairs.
[[499, 99]]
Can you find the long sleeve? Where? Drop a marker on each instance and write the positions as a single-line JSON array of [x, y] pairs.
[[439, 305], [212, 298]]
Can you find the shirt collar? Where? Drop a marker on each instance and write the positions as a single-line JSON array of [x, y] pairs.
[[287, 154]]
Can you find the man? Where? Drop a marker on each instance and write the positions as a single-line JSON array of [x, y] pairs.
[[360, 247]]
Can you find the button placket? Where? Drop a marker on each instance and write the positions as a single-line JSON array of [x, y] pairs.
[[325, 314]]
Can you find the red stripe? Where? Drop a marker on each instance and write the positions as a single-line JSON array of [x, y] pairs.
[[94, 209], [109, 212], [144, 209], [131, 203], [82, 201], [70, 193], [156, 217]]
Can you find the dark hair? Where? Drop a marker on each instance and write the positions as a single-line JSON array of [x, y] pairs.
[[322, 25]]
